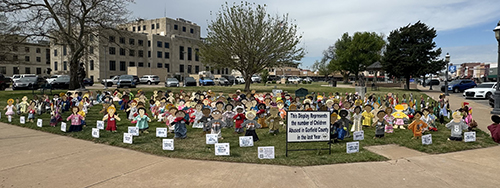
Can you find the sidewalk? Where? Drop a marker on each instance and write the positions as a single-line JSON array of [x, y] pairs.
[[480, 112], [31, 158]]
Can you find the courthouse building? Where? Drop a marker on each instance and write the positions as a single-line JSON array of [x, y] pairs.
[[165, 47], [26, 57]]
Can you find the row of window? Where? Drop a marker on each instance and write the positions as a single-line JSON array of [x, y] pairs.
[[159, 54], [15, 70], [26, 58], [121, 40], [27, 49], [176, 27]]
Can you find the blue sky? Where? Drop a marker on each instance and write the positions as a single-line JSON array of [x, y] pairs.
[[464, 27]]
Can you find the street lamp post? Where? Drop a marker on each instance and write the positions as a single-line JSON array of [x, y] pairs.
[[496, 110], [430, 83], [447, 60]]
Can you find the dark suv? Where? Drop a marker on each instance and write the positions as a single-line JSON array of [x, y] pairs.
[[459, 85], [126, 81]]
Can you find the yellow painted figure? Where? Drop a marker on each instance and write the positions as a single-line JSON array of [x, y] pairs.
[[367, 116], [399, 117], [274, 120]]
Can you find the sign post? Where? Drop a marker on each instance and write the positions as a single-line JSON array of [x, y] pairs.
[[308, 126]]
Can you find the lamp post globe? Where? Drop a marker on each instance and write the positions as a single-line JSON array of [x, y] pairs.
[[496, 110], [447, 60]]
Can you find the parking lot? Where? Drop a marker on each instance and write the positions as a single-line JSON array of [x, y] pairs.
[[438, 88]]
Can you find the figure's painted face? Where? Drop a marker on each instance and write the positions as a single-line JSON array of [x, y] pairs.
[[75, 110], [388, 110], [220, 106], [10, 101], [205, 102], [216, 115], [133, 104], [198, 107], [111, 111], [142, 111], [274, 111], [417, 116], [335, 106], [281, 105], [172, 110], [206, 112], [239, 110], [25, 99], [293, 107], [329, 104], [381, 115], [251, 116], [357, 110], [180, 113], [181, 103], [229, 108], [425, 112], [368, 108], [333, 118], [346, 105]]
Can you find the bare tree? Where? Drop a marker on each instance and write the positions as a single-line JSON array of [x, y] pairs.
[[66, 22], [245, 38]]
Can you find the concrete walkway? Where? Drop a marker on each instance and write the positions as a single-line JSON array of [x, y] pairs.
[[32, 158]]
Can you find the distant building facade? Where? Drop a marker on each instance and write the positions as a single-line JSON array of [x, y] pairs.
[[25, 58], [165, 47]]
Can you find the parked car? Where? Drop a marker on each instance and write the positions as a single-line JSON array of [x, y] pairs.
[[256, 78], [240, 79], [29, 83], [16, 77], [126, 81], [459, 85], [206, 81], [150, 79], [484, 90], [171, 82], [294, 79], [110, 82], [232, 80], [189, 81], [434, 82], [88, 82], [222, 81], [53, 78], [61, 82], [4, 82], [136, 79], [273, 78], [308, 79]]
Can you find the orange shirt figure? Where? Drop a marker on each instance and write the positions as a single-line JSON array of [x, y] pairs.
[[417, 126]]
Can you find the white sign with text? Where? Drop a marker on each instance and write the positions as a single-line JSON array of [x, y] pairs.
[[63, 127], [212, 138], [134, 131], [246, 141], [352, 147], [168, 144], [100, 125], [266, 152], [308, 126], [470, 136], [39, 122], [427, 139], [161, 132], [358, 135], [222, 149], [22, 120], [128, 138], [95, 132]]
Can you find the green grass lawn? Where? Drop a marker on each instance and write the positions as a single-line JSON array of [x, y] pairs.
[[194, 146]]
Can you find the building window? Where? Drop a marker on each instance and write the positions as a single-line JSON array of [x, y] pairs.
[[149, 64], [27, 58], [111, 38], [227, 71], [38, 70], [207, 68], [138, 28], [3, 70], [91, 66], [65, 51], [55, 52], [131, 41], [159, 65], [149, 53], [27, 70], [167, 45], [2, 58], [157, 26], [140, 42], [167, 55], [190, 53], [140, 64], [122, 40], [38, 50], [191, 30], [196, 56], [149, 43], [122, 51], [55, 66], [131, 53], [218, 71], [181, 68], [133, 28], [15, 70], [112, 50], [131, 64], [123, 66], [181, 52], [65, 65], [144, 27], [158, 54], [38, 59], [27, 49], [159, 44], [140, 53], [184, 29], [189, 69], [196, 69], [14, 57], [112, 65], [91, 49], [176, 27], [152, 26], [167, 66], [91, 37]]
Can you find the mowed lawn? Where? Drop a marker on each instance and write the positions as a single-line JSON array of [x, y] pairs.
[[194, 146]]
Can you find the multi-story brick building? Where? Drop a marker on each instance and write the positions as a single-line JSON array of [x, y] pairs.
[[163, 47], [25, 58]]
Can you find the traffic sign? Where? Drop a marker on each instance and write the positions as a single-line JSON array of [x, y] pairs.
[[452, 69]]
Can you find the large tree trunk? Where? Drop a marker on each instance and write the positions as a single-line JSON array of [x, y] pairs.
[[73, 75], [346, 78], [248, 81], [423, 82], [407, 79]]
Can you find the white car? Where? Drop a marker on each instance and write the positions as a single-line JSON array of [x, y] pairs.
[[256, 78], [53, 78], [294, 79], [482, 91], [240, 79]]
